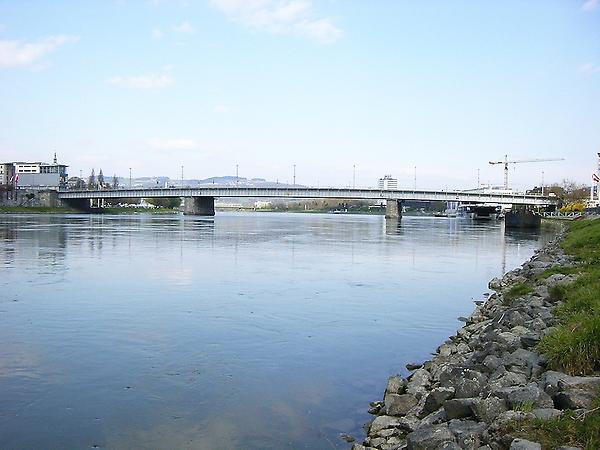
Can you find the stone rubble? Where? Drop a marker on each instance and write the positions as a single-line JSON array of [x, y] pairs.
[[485, 376]]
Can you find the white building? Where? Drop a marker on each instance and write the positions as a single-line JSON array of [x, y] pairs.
[[7, 172], [34, 174], [387, 183]]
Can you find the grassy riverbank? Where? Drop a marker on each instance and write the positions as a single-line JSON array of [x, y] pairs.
[[574, 347], [139, 211], [48, 210], [34, 210]]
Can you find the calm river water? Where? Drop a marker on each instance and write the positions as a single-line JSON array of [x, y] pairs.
[[246, 331]]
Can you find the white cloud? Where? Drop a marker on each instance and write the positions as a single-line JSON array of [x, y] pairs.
[[146, 81], [321, 30], [184, 28], [280, 17], [157, 33], [590, 5], [222, 109], [589, 68], [19, 53], [171, 144]]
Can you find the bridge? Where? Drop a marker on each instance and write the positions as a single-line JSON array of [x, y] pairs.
[[200, 200]]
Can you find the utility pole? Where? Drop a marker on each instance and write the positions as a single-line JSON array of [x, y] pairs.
[[130, 178], [237, 176], [542, 182], [478, 183], [294, 174], [415, 178], [353, 176], [181, 176]]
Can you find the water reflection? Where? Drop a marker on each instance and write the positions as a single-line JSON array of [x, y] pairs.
[[252, 331]]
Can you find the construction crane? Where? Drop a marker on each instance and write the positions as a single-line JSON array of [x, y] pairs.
[[506, 162]]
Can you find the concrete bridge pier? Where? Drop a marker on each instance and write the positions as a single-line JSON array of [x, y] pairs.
[[199, 206], [393, 209]]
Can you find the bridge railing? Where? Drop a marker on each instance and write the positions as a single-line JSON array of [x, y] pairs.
[[563, 215], [308, 192]]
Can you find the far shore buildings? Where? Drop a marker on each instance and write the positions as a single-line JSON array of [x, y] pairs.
[[34, 175], [387, 183]]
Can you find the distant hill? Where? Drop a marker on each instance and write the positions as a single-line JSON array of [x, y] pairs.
[[227, 180]]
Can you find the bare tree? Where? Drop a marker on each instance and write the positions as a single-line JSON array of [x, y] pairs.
[[115, 183], [100, 179]]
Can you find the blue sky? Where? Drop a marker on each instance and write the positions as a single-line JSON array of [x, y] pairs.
[[385, 86]]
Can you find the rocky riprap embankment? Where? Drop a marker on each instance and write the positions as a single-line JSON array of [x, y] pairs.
[[485, 376]]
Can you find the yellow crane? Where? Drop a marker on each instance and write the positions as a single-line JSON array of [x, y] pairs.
[[506, 162]]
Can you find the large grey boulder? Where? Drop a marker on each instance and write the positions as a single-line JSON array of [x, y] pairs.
[[434, 418], [357, 446], [468, 433], [546, 413], [382, 422], [491, 362], [574, 399], [549, 381], [396, 385], [530, 339], [509, 340], [418, 383], [522, 357], [486, 410], [523, 444], [466, 382], [436, 398], [583, 383], [398, 405], [458, 408], [510, 416], [429, 438], [525, 395], [408, 423], [506, 380]]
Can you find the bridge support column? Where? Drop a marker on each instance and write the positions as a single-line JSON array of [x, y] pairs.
[[393, 209], [199, 206]]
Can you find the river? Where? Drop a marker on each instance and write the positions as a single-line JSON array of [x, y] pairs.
[[246, 331]]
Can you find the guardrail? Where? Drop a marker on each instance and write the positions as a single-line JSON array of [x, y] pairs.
[[562, 215]]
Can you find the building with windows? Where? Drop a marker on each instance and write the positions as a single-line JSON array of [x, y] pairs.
[[7, 173], [387, 183], [34, 175]]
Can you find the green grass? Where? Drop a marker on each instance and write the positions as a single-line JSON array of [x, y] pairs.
[[517, 290], [575, 345], [48, 210], [564, 270], [583, 241], [525, 407], [139, 210], [34, 210], [568, 430]]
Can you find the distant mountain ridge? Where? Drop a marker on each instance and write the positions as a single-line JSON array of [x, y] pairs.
[[226, 180]]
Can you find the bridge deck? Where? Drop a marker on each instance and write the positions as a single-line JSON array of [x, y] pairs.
[[311, 193]]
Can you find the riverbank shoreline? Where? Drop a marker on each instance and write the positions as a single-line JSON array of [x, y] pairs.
[[488, 386], [58, 210]]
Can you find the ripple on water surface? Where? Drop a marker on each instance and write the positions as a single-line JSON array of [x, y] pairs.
[[254, 331]]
